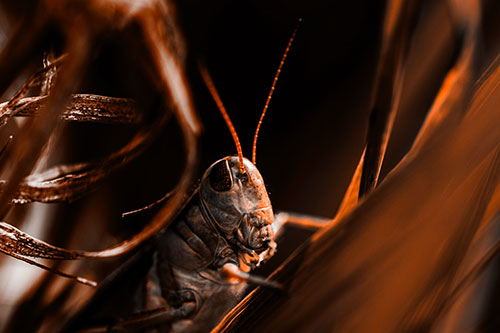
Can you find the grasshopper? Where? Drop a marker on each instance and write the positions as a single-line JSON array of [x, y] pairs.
[[200, 266]]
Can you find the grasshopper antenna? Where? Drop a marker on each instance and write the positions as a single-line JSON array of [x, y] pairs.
[[278, 72], [157, 202], [211, 87]]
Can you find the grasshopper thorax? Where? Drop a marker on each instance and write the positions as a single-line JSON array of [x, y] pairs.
[[238, 204]]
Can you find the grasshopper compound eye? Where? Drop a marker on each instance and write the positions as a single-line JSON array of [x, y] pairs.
[[220, 177]]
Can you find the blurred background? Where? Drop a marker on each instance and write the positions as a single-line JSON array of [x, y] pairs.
[[309, 144]]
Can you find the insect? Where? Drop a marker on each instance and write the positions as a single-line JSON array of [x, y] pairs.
[[199, 267]]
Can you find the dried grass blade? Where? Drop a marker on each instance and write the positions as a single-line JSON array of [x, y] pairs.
[[36, 80], [24, 153], [82, 108], [69, 182], [450, 102], [398, 29], [351, 196], [13, 240]]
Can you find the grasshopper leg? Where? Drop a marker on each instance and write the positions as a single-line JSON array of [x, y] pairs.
[[159, 316], [299, 220]]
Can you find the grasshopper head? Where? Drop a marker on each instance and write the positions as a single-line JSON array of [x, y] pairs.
[[238, 203]]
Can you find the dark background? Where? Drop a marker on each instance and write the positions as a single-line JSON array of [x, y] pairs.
[[313, 132]]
